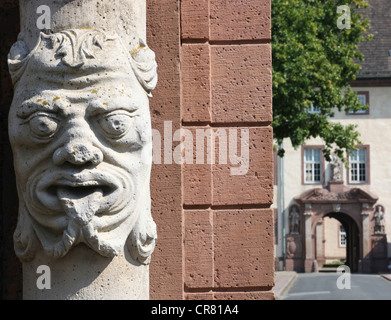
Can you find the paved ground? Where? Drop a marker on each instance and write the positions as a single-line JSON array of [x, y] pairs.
[[323, 286], [283, 280]]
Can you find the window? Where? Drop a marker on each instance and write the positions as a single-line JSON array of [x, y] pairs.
[[363, 96], [312, 165], [358, 165], [342, 237]]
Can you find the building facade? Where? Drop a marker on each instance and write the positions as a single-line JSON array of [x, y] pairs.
[[309, 189]]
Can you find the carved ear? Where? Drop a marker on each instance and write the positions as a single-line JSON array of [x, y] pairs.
[[18, 51], [145, 67], [17, 58], [25, 239]]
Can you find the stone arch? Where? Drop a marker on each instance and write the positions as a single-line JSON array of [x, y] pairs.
[[354, 207], [354, 239]]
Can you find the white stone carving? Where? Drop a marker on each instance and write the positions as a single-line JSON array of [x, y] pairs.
[[336, 207], [80, 131], [337, 168], [378, 218]]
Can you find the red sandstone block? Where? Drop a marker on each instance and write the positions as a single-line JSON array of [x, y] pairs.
[[166, 270], [199, 296], [198, 249], [240, 19], [195, 68], [197, 177], [241, 83], [197, 184], [243, 248], [256, 295], [195, 19], [252, 183]]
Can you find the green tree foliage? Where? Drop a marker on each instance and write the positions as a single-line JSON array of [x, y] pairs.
[[314, 60]]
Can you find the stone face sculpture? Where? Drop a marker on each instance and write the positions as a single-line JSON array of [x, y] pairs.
[[80, 131]]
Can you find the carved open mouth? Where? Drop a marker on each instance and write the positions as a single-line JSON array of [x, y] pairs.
[[79, 191], [82, 189], [80, 200], [96, 196]]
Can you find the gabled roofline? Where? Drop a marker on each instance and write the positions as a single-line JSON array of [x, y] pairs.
[[321, 195]]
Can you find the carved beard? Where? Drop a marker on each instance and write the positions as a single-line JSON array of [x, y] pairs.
[[101, 216]]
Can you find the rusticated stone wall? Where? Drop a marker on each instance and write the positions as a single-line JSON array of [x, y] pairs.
[[216, 235]]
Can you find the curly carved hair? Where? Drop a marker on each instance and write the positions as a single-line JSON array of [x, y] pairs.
[[75, 47]]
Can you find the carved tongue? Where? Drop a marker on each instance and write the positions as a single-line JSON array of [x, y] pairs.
[[79, 204]]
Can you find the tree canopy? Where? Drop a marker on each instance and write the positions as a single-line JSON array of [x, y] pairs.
[[314, 61]]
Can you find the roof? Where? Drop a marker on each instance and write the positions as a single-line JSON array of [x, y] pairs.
[[377, 52]]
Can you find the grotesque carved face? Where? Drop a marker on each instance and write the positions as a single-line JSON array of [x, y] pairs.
[[80, 130]]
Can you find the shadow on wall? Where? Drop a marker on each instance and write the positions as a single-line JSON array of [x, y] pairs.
[[11, 268], [378, 254]]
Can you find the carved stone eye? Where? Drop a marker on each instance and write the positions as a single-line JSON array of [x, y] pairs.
[[116, 125], [43, 125]]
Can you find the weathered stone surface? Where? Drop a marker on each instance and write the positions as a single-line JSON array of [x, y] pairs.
[[241, 83], [195, 19], [82, 143], [222, 20], [256, 295], [199, 296], [243, 242], [195, 72], [197, 175], [253, 183], [240, 20], [198, 249], [166, 270], [80, 130], [93, 277], [128, 19]]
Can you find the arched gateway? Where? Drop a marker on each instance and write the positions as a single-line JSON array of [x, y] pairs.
[[355, 209]]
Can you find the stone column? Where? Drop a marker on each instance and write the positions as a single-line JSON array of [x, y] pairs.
[[319, 241], [308, 238], [80, 130]]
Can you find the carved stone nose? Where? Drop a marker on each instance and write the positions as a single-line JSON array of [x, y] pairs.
[[78, 154]]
